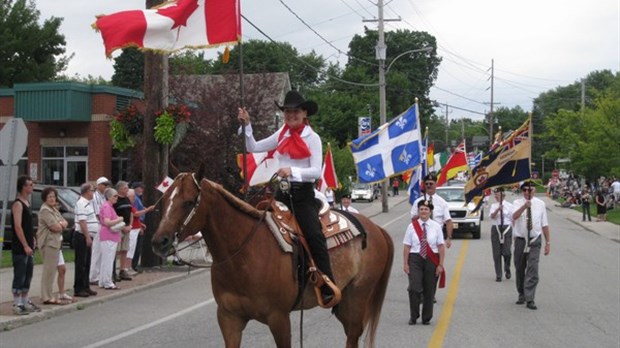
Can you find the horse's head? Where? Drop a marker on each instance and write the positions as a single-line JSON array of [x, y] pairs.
[[179, 220]]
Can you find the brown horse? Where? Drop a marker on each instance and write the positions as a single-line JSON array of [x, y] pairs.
[[252, 278]]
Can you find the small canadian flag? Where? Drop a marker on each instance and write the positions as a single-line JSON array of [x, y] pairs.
[[165, 184]]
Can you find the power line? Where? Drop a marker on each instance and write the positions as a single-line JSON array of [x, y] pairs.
[[458, 95], [322, 38], [310, 65]]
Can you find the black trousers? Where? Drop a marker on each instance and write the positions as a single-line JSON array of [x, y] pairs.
[[306, 210], [82, 263], [422, 280]]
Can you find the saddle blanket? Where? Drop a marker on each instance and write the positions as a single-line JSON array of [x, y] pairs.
[[336, 228]]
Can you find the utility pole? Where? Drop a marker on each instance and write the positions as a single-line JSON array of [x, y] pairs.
[[583, 96], [381, 52], [155, 157], [447, 126], [491, 112]]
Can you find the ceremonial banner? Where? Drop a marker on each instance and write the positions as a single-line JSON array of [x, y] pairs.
[[505, 164], [260, 167], [414, 189], [172, 26], [456, 163], [391, 149]]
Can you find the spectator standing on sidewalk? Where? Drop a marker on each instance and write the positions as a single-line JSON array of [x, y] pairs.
[[62, 272], [601, 205], [395, 185], [137, 227], [86, 230], [97, 202], [22, 247], [123, 209], [109, 239], [586, 197], [139, 205], [49, 242]]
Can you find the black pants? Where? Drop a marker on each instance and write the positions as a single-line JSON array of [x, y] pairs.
[[306, 210], [82, 263], [422, 280]]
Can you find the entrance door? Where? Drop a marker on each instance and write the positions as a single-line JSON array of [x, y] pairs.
[[77, 171]]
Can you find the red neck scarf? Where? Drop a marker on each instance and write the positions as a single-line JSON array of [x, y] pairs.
[[294, 145]]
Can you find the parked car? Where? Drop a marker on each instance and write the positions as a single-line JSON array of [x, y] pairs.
[[363, 191], [66, 201], [463, 219]]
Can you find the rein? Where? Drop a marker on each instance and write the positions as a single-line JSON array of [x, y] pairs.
[[191, 214]]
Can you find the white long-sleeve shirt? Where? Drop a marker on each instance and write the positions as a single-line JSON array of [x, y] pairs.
[[302, 170]]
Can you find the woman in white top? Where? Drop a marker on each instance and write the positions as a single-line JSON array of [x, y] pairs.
[[501, 233], [299, 152], [423, 256]]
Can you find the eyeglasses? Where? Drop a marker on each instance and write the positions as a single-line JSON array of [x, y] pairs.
[[91, 190]]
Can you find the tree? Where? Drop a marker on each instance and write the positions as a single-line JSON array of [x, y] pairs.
[[409, 77], [129, 69], [264, 56], [29, 51], [589, 137]]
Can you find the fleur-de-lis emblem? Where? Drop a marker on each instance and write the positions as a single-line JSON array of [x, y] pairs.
[[370, 171], [401, 122], [404, 157]]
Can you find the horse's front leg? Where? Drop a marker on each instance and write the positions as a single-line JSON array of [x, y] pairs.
[[231, 326], [280, 327]]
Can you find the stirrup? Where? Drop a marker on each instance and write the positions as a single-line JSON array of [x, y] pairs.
[[319, 296]]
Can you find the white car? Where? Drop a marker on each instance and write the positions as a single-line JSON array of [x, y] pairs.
[[463, 219], [362, 191]]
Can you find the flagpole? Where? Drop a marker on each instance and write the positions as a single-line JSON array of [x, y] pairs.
[[242, 104]]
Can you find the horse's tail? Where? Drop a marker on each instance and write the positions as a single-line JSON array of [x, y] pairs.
[[376, 300]]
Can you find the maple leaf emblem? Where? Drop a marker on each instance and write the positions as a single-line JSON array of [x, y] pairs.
[[165, 184], [180, 12]]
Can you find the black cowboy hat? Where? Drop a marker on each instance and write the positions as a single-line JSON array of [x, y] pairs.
[[294, 100]]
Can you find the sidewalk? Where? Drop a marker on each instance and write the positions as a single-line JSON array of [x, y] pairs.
[[153, 277], [602, 228]]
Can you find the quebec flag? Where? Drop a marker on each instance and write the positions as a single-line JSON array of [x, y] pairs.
[[391, 149]]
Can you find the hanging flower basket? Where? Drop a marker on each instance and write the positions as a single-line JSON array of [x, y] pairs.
[[171, 124], [125, 126]]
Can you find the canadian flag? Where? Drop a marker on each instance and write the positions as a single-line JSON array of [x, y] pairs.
[[172, 26], [260, 167], [165, 184], [328, 177]]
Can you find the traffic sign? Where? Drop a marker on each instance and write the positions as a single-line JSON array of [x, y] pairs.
[[13, 141]]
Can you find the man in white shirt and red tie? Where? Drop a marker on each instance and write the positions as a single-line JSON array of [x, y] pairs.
[[423, 256], [530, 224]]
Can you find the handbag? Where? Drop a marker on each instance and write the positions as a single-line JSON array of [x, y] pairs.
[[118, 226]]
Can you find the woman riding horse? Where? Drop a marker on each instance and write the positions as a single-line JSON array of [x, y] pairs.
[[253, 278], [299, 152]]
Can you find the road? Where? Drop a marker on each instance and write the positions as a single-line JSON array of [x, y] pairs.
[[578, 299]]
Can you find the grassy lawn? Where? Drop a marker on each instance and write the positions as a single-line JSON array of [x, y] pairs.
[[613, 215], [67, 253]]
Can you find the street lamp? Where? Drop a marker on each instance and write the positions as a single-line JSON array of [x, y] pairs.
[[381, 54]]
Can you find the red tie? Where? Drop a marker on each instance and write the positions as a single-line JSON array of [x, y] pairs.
[[423, 242]]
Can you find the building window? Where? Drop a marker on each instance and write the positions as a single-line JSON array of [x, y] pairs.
[[64, 165], [119, 166]]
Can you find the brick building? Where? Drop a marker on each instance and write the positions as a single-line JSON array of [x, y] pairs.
[[68, 129]]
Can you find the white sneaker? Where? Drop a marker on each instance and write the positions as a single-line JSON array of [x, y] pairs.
[[20, 310], [31, 307]]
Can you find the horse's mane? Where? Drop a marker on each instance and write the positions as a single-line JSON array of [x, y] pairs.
[[235, 201]]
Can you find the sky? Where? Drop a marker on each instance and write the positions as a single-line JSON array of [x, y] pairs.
[[536, 45]]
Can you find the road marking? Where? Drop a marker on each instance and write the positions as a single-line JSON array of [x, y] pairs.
[[150, 325], [446, 313]]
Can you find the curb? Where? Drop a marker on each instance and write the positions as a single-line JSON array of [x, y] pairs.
[[32, 318]]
